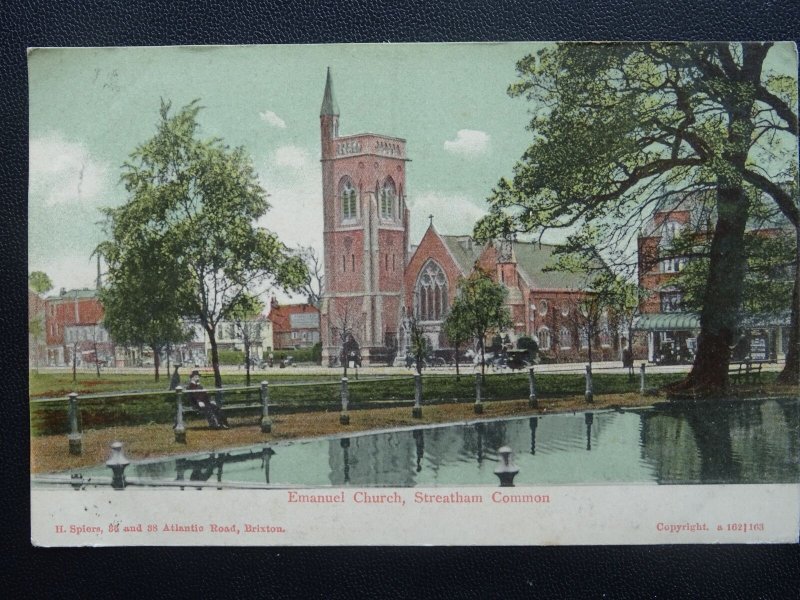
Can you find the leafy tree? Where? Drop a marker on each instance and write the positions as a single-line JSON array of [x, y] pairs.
[[528, 343], [484, 307], [142, 294], [419, 344], [39, 282], [619, 128], [198, 200], [457, 328], [248, 326]]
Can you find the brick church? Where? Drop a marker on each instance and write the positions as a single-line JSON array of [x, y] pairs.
[[376, 281]]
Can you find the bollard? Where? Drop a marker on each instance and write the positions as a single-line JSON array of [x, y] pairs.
[[641, 379], [507, 470], [344, 417], [477, 407], [589, 394], [266, 422], [74, 437], [532, 401], [416, 411], [117, 464], [180, 428]]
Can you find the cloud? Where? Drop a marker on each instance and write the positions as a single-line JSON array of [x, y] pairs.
[[270, 118], [453, 214], [468, 142], [65, 173], [292, 157]]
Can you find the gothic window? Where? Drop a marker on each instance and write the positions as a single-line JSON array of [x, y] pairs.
[[565, 338], [430, 293], [543, 306], [388, 195], [543, 338], [347, 195]]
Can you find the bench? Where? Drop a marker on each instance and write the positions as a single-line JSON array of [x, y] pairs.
[[745, 372]]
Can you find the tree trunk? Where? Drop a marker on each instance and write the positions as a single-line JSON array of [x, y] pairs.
[[212, 340], [74, 363], [791, 371], [156, 360], [458, 375], [247, 360], [483, 357], [722, 300]]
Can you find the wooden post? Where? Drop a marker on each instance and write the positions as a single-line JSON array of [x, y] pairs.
[[180, 428], [532, 401], [478, 406], [344, 417], [641, 379], [416, 411], [589, 394], [266, 422], [74, 437]]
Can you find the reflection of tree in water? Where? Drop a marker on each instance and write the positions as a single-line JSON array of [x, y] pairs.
[[711, 425], [791, 415], [386, 459], [419, 440]]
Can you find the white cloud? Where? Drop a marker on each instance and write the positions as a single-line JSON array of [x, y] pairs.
[[292, 157], [453, 214], [468, 142], [65, 173], [270, 118], [69, 270]]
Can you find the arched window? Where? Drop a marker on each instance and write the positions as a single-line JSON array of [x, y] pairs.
[[430, 293], [347, 196], [565, 338], [543, 336], [388, 195]]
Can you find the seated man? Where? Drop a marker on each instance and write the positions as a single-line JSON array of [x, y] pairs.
[[201, 401]]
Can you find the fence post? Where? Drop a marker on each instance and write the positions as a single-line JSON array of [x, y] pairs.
[[266, 422], [416, 411], [532, 401], [344, 417], [641, 379], [117, 464], [180, 428], [477, 407], [589, 394], [74, 437]]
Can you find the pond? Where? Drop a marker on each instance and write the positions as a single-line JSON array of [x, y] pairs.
[[731, 442]]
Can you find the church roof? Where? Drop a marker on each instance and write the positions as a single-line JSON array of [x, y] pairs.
[[329, 106], [465, 251], [533, 258]]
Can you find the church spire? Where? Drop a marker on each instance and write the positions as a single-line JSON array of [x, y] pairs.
[[329, 106]]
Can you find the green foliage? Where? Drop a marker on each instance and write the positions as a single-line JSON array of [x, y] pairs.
[[194, 202], [39, 282], [229, 357], [300, 355], [528, 343], [456, 326]]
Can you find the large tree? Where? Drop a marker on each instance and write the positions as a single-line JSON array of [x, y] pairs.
[[39, 282], [200, 200], [619, 128], [457, 328]]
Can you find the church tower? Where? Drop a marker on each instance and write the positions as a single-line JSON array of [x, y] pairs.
[[366, 230]]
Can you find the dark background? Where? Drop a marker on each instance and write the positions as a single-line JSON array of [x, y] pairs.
[[653, 571]]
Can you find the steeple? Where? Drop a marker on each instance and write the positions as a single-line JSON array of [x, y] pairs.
[[329, 106]]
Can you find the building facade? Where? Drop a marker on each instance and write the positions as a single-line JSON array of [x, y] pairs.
[[294, 326], [74, 329]]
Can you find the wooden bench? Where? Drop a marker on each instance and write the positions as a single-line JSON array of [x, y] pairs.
[[745, 372]]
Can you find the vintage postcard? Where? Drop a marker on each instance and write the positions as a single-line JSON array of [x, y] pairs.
[[404, 294]]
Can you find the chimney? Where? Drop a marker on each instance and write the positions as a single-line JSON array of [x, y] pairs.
[[62, 292]]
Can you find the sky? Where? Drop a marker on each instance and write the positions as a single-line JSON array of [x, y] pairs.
[[91, 107]]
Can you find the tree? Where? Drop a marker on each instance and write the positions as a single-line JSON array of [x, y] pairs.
[[313, 285], [419, 345], [248, 325], [618, 128], [198, 200], [39, 282], [345, 321], [142, 295], [457, 328], [484, 307]]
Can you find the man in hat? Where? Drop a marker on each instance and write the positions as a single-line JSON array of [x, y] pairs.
[[206, 406]]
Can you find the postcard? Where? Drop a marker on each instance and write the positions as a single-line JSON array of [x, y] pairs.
[[535, 293]]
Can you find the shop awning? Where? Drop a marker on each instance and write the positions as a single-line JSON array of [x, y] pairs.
[[667, 322]]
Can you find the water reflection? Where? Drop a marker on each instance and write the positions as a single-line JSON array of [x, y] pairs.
[[732, 442]]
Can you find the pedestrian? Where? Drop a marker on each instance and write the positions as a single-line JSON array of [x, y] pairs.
[[209, 408]]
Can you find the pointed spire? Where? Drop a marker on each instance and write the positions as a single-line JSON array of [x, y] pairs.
[[329, 106]]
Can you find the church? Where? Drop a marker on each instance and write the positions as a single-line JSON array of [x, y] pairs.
[[376, 282]]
